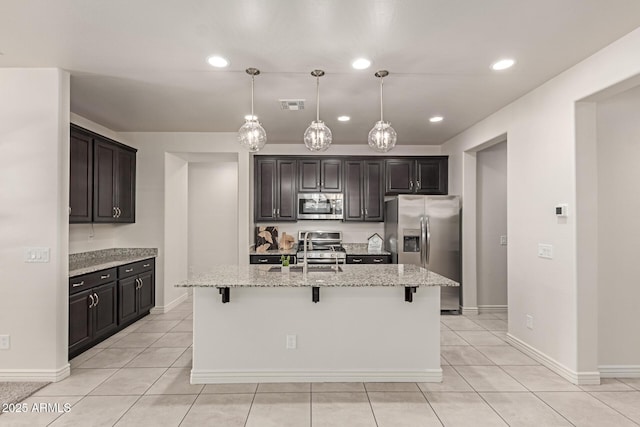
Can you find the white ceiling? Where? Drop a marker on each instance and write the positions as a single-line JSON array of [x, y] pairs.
[[141, 65]]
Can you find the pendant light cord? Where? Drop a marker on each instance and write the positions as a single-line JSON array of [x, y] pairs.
[[381, 113], [252, 79], [317, 99]]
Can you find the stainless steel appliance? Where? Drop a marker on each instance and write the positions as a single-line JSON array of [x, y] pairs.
[[320, 206], [425, 231], [323, 247]]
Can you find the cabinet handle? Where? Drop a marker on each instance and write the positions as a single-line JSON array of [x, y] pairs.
[[137, 283], [357, 260], [418, 185], [274, 212], [141, 283], [114, 212], [92, 301], [75, 285], [361, 212], [321, 183], [411, 185], [69, 210], [278, 212], [97, 299], [263, 260], [377, 260], [128, 270], [119, 212], [105, 276], [146, 265], [366, 212]]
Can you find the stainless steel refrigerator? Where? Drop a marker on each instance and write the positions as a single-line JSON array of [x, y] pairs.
[[425, 231]]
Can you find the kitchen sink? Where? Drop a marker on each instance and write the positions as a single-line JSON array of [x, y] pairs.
[[311, 269]]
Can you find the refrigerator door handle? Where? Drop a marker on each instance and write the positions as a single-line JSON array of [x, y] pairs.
[[423, 242], [428, 249]]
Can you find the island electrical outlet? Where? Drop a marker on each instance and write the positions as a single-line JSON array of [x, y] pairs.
[[291, 342]]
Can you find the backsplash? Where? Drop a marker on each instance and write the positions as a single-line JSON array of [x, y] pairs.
[[352, 232]]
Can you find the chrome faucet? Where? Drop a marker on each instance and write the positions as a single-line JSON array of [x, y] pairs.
[[304, 242]]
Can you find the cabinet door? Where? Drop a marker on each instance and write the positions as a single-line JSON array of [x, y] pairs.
[[309, 176], [331, 176], [432, 175], [265, 186], [104, 166], [127, 299], [286, 190], [146, 293], [80, 328], [80, 177], [399, 176], [105, 314], [353, 191], [373, 198], [126, 186]]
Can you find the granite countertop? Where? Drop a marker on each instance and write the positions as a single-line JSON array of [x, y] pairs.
[[89, 262], [362, 249], [235, 276], [275, 252]]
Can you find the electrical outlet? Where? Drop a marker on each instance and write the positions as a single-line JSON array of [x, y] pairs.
[[545, 251], [5, 342], [291, 342], [503, 240], [529, 321]]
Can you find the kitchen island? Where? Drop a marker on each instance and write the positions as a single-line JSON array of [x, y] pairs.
[[363, 323]]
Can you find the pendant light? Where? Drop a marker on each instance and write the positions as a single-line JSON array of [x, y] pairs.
[[317, 137], [382, 137], [252, 135]]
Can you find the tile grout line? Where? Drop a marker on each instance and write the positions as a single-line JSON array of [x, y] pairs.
[[375, 420], [606, 404], [255, 392], [431, 406]]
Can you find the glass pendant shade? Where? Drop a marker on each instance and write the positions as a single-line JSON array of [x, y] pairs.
[[382, 137], [252, 135], [318, 136]]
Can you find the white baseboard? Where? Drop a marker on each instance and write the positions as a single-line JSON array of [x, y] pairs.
[[161, 309], [221, 377], [469, 310], [493, 308], [619, 371], [34, 375], [578, 378]]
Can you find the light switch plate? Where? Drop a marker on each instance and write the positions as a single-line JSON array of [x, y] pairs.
[[291, 342], [503, 240], [5, 342], [36, 254], [545, 251]]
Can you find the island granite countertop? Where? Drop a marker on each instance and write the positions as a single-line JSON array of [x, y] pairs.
[[89, 262], [260, 276]]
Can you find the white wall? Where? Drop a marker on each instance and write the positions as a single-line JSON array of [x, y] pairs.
[[34, 200], [618, 151], [541, 131], [491, 209], [213, 214]]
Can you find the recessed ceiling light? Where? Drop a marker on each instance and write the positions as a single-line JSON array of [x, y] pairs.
[[217, 61], [503, 64], [436, 119], [361, 64], [344, 118], [250, 117]]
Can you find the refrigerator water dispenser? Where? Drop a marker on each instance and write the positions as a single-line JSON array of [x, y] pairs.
[[411, 241]]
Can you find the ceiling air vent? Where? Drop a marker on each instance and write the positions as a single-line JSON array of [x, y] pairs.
[[291, 104]]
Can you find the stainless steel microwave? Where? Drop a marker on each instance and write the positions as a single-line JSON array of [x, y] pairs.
[[320, 206]]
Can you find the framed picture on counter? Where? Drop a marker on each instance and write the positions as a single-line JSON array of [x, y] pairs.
[[266, 238]]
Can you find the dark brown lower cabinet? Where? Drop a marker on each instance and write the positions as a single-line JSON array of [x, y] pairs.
[[92, 316], [104, 302]]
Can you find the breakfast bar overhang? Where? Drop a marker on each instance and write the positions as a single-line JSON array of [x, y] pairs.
[[255, 323]]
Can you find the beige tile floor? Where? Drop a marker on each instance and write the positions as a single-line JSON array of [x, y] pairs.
[[140, 377]]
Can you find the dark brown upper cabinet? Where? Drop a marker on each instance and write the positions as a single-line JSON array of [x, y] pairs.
[[425, 175], [275, 189], [114, 179], [320, 175], [364, 200], [102, 179], [80, 177]]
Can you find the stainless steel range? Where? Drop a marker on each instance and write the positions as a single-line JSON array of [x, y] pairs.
[[323, 247]]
